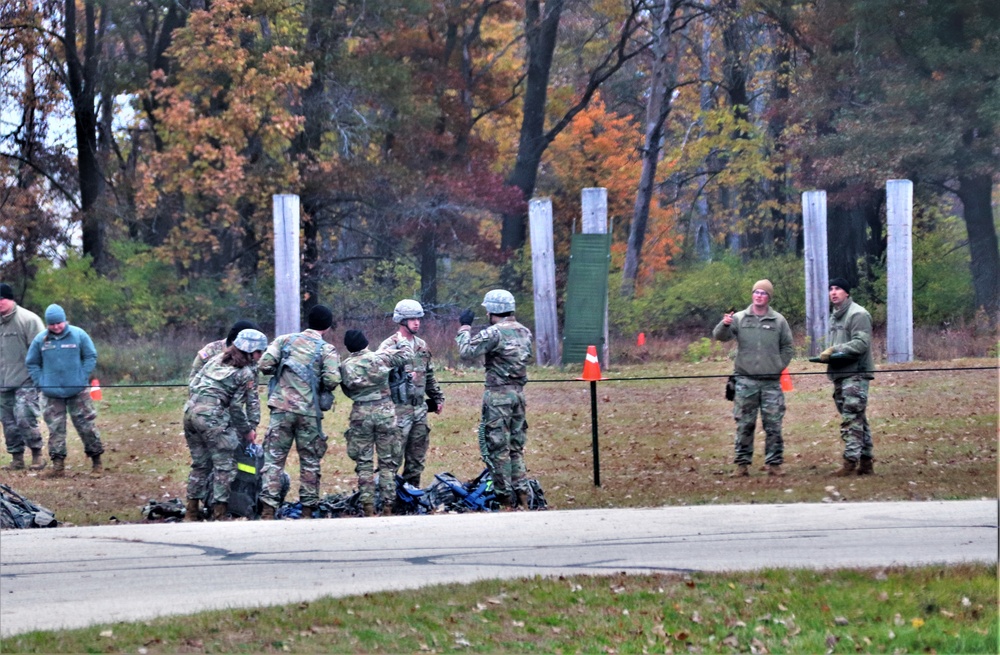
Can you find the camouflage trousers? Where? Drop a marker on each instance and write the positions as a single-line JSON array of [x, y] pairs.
[[82, 412], [213, 445], [851, 396], [20, 410], [415, 436], [505, 431], [284, 430], [766, 396], [372, 430]]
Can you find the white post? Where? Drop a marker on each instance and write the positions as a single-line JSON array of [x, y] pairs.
[[817, 270], [899, 253], [594, 205], [543, 269], [286, 264]]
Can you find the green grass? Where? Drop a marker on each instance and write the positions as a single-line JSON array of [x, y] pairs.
[[921, 610]]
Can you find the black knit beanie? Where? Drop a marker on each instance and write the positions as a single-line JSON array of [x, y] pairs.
[[320, 318], [842, 283], [238, 327], [355, 340]]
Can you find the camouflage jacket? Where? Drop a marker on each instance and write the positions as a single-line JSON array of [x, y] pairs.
[[292, 393], [365, 374], [507, 346], [219, 388], [215, 348], [420, 366]]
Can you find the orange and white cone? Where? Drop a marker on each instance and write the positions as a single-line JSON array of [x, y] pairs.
[[591, 366], [95, 390]]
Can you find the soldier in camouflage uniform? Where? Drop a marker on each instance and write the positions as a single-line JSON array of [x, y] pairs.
[[507, 347], [763, 350], [20, 406], [60, 361], [364, 377], [415, 379], [216, 347], [850, 367], [216, 422], [306, 370]]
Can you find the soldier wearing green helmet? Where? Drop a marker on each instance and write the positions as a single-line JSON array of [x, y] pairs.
[[216, 421], [409, 385], [506, 345]]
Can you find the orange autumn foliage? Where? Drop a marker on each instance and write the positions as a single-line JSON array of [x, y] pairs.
[[600, 149]]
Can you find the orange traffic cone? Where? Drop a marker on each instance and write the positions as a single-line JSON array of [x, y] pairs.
[[641, 341], [786, 381], [95, 390], [591, 366]]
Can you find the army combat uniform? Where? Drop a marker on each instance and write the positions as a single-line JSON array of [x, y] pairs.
[[215, 421], [20, 404], [850, 334], [215, 348], [507, 347], [372, 429], [764, 349], [296, 417], [411, 410]]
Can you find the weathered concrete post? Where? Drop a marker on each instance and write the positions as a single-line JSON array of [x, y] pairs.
[[286, 264], [899, 255], [817, 271], [543, 269]]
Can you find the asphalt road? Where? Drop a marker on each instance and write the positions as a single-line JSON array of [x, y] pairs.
[[74, 577]]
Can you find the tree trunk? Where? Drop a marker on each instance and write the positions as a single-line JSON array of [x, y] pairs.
[[540, 31], [975, 192], [82, 76], [657, 110], [428, 269]]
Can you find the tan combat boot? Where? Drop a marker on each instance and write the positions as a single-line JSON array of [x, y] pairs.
[[37, 461], [96, 470], [387, 509], [742, 471], [267, 513], [307, 512], [58, 469], [16, 462], [193, 512], [522, 500], [368, 509], [849, 468], [219, 511], [866, 466], [774, 470]]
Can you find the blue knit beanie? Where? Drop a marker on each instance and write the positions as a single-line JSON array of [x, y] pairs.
[[54, 314]]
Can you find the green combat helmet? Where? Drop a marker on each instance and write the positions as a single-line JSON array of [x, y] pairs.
[[499, 301], [407, 309], [250, 341]]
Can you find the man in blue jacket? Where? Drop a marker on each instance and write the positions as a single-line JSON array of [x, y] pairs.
[[60, 361]]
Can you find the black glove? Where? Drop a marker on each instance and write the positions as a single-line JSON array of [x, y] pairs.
[[466, 317]]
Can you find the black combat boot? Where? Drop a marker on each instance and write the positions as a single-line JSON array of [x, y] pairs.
[[37, 461], [16, 462]]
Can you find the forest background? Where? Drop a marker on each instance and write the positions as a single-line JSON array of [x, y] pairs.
[[141, 142]]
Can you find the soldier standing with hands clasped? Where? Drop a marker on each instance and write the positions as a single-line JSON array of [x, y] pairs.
[[507, 347], [763, 350], [60, 361]]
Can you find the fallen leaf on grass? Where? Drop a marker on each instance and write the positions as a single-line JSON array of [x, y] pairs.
[[917, 622]]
